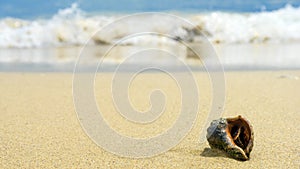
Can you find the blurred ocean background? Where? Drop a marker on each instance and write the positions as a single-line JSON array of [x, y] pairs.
[[33, 9], [248, 34]]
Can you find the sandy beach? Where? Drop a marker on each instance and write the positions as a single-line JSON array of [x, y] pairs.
[[39, 127]]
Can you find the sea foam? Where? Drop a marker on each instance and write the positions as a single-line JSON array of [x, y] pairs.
[[72, 26]]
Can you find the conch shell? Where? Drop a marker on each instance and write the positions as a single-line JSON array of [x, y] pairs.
[[232, 135]]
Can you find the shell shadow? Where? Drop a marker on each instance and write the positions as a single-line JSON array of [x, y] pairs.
[[208, 152]]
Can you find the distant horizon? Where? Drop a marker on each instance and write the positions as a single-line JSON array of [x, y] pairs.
[[32, 9]]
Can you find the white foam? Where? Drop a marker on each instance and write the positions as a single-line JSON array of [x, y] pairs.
[[67, 27], [72, 26], [282, 25]]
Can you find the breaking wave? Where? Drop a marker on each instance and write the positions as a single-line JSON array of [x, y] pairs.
[[72, 26]]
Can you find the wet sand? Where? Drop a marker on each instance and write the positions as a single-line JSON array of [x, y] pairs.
[[39, 127]]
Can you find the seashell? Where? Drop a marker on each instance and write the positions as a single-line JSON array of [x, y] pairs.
[[232, 135]]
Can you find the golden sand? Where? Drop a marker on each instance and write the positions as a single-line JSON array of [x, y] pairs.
[[39, 127]]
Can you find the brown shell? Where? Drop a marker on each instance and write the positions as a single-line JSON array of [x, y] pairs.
[[233, 135]]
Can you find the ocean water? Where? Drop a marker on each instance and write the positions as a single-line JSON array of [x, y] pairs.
[[51, 33], [73, 26], [39, 9]]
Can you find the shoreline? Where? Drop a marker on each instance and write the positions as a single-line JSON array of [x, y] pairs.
[[69, 68], [232, 57]]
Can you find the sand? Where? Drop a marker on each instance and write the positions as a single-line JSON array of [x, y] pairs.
[[39, 127]]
